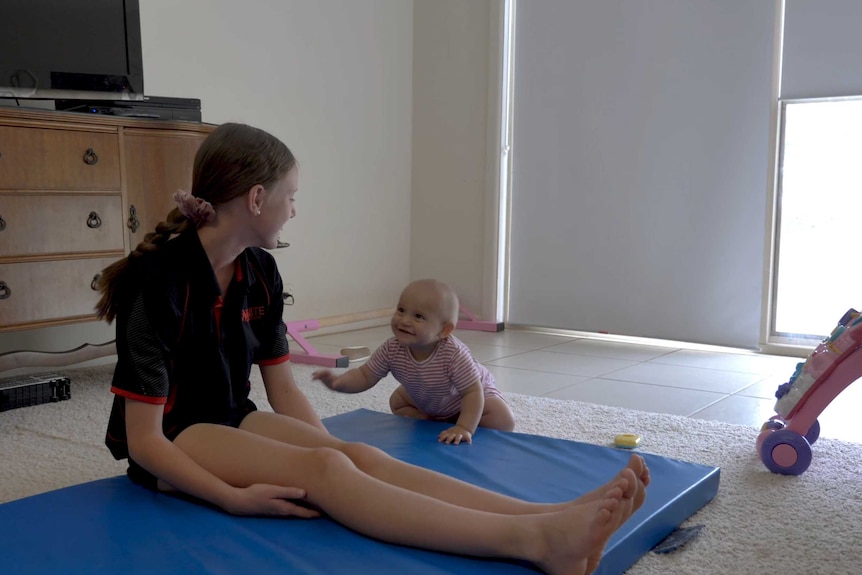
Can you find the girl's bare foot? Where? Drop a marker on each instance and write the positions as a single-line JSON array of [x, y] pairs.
[[637, 464], [636, 476], [572, 536], [601, 512], [639, 467]]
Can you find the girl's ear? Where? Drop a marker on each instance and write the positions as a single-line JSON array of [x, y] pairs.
[[254, 199]]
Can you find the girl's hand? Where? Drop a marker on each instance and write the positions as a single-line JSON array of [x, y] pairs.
[[261, 499], [455, 435]]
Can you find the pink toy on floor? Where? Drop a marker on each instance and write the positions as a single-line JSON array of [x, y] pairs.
[[784, 443]]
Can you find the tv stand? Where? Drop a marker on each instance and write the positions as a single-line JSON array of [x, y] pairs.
[[78, 192]]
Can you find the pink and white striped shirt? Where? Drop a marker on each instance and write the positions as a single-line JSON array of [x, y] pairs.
[[435, 384]]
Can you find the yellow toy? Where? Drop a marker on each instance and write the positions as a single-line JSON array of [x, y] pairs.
[[627, 440]]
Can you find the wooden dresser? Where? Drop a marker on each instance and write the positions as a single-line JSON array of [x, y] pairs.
[[77, 192]]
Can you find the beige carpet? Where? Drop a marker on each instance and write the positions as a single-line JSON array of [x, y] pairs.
[[759, 522]]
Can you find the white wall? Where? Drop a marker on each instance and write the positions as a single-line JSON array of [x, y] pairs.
[[455, 86], [333, 80]]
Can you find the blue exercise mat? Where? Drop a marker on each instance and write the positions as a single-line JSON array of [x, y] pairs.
[[113, 526]]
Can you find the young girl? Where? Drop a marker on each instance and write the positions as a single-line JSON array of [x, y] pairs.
[[198, 302], [439, 378]]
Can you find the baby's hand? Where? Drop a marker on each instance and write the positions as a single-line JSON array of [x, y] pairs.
[[325, 376], [455, 435]]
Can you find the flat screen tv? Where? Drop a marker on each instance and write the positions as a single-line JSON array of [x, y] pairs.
[[52, 48]]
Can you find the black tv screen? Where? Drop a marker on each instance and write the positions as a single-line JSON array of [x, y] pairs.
[[86, 45]]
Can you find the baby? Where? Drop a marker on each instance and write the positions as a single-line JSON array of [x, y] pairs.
[[439, 378]]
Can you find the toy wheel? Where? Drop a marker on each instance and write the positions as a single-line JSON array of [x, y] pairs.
[[813, 432], [760, 438], [786, 452]]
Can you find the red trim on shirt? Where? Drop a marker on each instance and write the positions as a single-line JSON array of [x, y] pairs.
[[275, 361], [115, 439], [138, 397]]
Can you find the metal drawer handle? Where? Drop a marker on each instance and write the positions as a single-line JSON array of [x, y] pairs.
[[94, 285], [133, 223], [2, 224], [5, 291], [94, 221], [90, 157]]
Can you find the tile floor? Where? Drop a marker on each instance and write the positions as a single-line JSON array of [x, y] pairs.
[[731, 386]]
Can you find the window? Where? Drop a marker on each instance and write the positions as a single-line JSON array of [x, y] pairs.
[[817, 277]]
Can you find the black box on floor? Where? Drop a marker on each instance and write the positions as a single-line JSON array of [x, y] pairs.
[[28, 390]]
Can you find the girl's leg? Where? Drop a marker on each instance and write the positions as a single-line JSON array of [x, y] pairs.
[[400, 403], [378, 464], [560, 543], [497, 414]]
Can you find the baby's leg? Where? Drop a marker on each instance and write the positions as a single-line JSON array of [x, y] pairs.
[[401, 403], [497, 414]]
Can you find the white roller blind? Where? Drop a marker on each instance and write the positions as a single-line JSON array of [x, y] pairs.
[[822, 55], [640, 164]]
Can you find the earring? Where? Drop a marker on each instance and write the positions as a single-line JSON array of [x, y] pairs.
[[257, 212]]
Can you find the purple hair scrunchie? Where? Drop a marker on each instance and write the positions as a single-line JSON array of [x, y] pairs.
[[197, 210]]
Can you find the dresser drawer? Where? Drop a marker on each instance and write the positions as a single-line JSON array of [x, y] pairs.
[[46, 159], [53, 291], [43, 224]]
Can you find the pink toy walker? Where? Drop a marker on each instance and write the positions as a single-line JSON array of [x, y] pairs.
[[785, 441]]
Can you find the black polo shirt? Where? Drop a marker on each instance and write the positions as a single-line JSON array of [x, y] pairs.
[[183, 345]]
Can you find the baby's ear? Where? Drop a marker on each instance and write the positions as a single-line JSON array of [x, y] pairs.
[[447, 330]]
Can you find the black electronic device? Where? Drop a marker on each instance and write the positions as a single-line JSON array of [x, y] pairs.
[[153, 107], [70, 45], [26, 390]]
